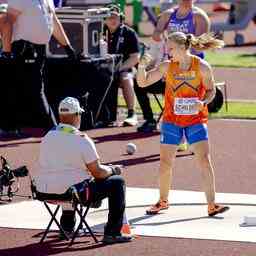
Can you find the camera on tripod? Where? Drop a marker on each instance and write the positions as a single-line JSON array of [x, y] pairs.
[[10, 176]]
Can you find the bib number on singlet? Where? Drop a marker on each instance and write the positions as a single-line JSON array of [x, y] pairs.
[[185, 106]]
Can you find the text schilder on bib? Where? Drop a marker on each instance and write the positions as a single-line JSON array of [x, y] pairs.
[[185, 106]]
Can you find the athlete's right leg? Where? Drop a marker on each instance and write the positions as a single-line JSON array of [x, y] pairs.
[[167, 157], [170, 138]]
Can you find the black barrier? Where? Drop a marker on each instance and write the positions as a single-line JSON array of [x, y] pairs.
[[90, 79]]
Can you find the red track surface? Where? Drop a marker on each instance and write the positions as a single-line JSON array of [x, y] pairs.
[[234, 160]]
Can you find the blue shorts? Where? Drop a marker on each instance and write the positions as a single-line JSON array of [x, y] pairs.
[[172, 134]]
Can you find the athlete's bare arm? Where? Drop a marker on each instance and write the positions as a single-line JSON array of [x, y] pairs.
[[146, 78], [161, 25], [202, 21], [208, 81]]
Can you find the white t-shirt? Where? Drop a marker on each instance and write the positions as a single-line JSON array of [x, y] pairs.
[[63, 158], [35, 23]]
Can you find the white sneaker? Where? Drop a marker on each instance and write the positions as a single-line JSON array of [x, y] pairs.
[[131, 121]]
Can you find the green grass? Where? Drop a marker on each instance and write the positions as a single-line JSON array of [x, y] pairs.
[[243, 110], [238, 110], [231, 59]]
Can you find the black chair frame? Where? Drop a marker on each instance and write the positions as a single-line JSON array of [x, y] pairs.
[[81, 210]]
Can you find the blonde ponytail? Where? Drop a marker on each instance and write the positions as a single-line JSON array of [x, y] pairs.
[[206, 41]]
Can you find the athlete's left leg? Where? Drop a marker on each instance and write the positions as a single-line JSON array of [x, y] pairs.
[[197, 136], [202, 155]]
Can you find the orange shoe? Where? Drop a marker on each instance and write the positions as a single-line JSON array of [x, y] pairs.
[[214, 209], [156, 208]]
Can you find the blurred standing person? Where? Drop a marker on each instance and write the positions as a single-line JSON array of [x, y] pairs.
[[28, 29], [185, 17], [31, 24]]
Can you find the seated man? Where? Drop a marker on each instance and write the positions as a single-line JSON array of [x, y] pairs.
[[123, 40], [68, 157]]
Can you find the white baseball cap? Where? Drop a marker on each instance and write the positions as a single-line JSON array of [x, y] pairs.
[[70, 105]]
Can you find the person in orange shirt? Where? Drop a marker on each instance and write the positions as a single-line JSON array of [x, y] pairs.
[[189, 88]]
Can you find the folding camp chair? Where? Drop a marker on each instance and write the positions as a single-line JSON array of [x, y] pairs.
[[58, 200]]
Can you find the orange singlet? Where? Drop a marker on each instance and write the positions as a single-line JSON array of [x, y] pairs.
[[183, 88]]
